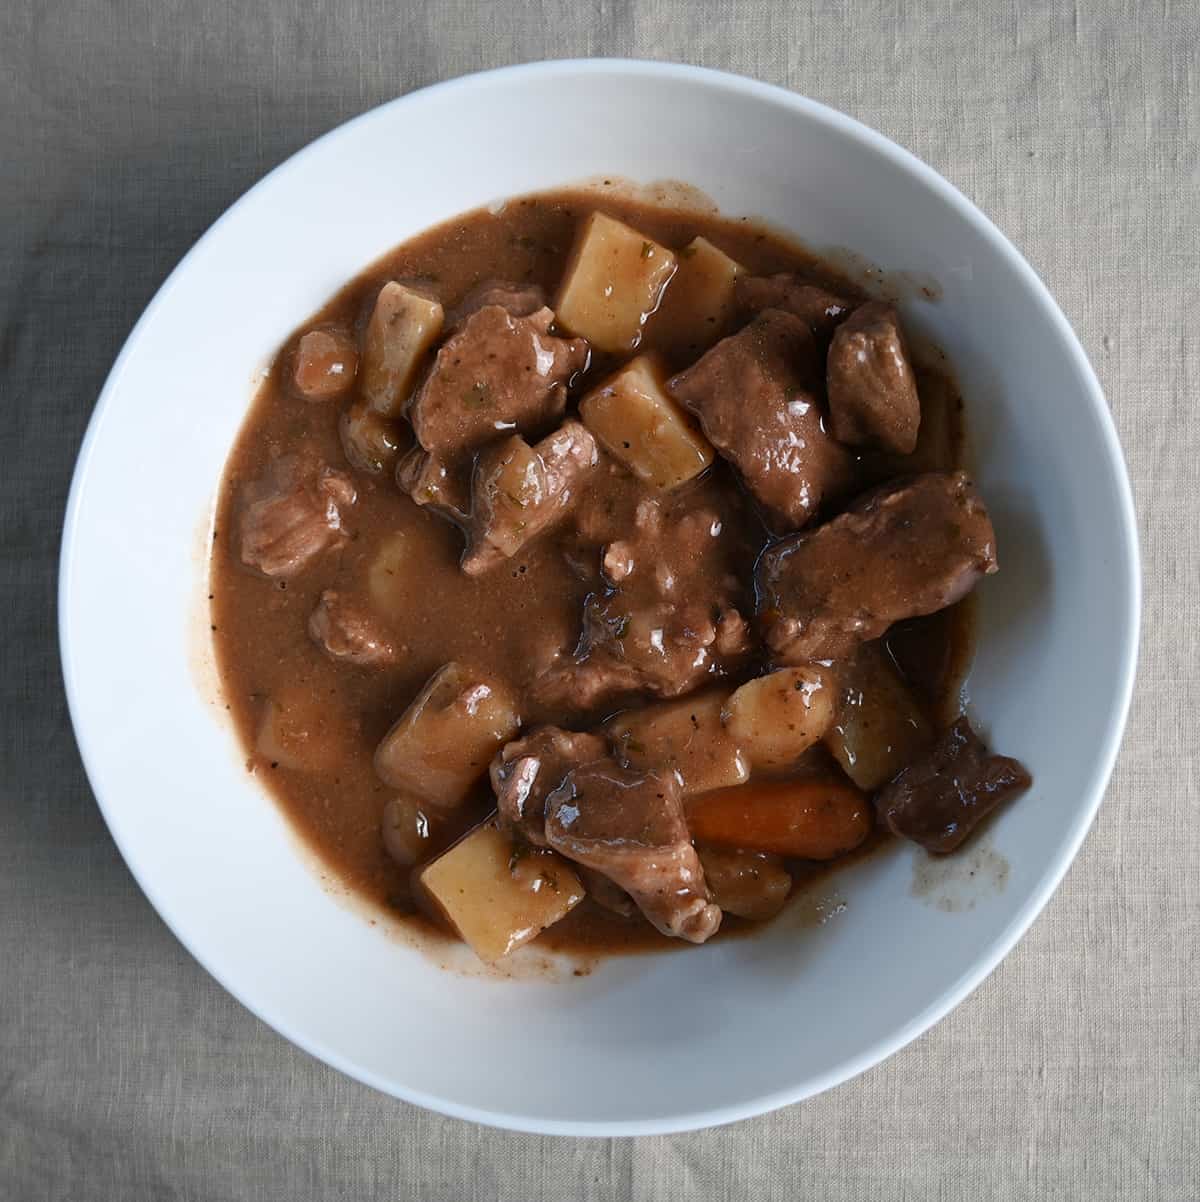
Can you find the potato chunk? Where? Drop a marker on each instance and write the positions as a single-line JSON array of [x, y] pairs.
[[777, 717], [699, 303], [687, 736], [612, 284], [749, 884], [639, 425], [396, 582], [880, 726], [405, 830], [403, 327], [496, 894], [445, 740], [298, 730]]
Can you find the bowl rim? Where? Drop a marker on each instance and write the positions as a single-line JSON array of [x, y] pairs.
[[1126, 536]]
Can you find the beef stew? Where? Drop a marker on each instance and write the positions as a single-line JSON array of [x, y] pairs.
[[594, 568]]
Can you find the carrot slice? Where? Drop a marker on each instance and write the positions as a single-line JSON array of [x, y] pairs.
[[805, 819]]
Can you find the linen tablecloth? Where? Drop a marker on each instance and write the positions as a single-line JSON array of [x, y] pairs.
[[126, 1073]]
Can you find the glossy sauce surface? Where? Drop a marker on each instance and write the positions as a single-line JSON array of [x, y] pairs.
[[498, 622]]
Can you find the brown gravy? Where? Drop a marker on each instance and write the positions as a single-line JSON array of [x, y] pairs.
[[263, 648]]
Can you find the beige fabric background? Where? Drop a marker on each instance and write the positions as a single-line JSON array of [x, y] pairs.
[[125, 1073]]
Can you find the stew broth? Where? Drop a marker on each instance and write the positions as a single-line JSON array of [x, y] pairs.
[[501, 621]]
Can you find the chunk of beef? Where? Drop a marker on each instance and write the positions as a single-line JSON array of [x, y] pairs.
[[668, 618], [431, 482], [494, 375], [907, 549], [292, 514], [300, 730], [938, 801], [521, 300], [605, 893], [608, 505], [630, 826], [757, 395], [821, 309], [872, 390], [348, 630], [519, 492], [525, 772]]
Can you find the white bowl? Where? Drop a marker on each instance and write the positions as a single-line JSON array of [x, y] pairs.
[[643, 1044]]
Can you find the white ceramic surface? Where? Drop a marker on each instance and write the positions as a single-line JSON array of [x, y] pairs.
[[643, 1044]]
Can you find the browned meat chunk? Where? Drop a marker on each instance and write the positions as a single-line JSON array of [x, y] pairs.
[[872, 390], [902, 551], [822, 310], [606, 894], [757, 395], [429, 481], [938, 801], [668, 619], [630, 826], [324, 364], [521, 300], [525, 772], [292, 515], [347, 630], [521, 491], [494, 375]]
